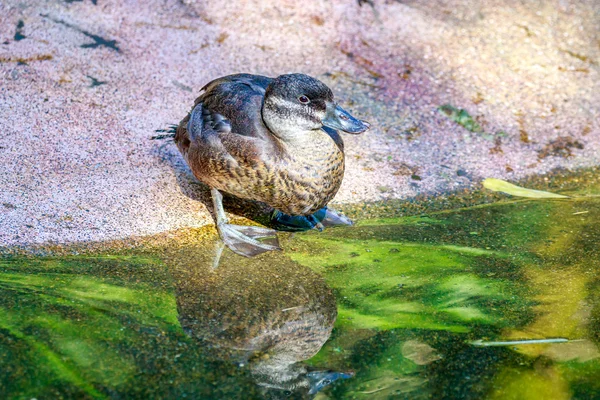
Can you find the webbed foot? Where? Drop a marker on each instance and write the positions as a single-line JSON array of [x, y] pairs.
[[325, 217], [243, 239], [334, 218]]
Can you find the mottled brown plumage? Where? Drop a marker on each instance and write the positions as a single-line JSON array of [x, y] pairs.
[[264, 139]]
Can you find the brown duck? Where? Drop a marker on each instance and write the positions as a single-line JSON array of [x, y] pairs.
[[269, 140]]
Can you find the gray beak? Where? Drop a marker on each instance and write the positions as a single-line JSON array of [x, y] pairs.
[[321, 379], [340, 119]]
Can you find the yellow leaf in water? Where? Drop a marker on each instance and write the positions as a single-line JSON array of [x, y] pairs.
[[498, 185]]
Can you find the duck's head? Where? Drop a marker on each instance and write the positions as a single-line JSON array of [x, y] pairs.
[[297, 103]]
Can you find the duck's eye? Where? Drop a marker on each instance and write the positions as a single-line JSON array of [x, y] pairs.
[[303, 99]]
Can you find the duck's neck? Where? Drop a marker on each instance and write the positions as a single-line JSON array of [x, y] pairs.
[[310, 145], [296, 136]]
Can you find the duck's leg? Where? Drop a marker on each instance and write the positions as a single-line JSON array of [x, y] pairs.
[[240, 239], [219, 247], [325, 217]]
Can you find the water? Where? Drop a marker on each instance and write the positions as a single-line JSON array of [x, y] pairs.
[[425, 306]]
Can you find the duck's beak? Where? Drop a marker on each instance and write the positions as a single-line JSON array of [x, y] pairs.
[[340, 119], [320, 379]]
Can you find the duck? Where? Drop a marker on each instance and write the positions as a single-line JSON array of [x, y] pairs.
[[271, 140]]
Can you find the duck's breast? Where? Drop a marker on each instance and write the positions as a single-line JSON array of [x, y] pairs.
[[310, 176]]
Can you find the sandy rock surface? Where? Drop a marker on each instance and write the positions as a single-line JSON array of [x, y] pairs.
[[84, 85]]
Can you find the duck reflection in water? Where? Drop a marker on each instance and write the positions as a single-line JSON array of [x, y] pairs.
[[267, 314]]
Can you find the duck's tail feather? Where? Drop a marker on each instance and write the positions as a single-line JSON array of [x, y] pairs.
[[165, 133], [195, 122], [182, 136]]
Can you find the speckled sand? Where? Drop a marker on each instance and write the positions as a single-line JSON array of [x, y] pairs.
[[77, 162]]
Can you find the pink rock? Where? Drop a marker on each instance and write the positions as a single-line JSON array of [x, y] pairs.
[[77, 162]]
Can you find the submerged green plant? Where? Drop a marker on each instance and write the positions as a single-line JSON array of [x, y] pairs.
[[68, 320], [390, 284], [430, 283]]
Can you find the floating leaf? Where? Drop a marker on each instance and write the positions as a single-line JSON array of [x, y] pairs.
[[498, 185], [482, 343]]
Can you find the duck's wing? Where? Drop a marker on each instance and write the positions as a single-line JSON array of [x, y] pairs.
[[238, 98], [206, 137], [226, 121]]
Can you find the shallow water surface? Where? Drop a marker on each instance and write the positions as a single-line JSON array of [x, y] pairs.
[[497, 301]]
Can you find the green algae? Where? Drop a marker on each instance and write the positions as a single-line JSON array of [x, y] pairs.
[[389, 308], [461, 117]]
